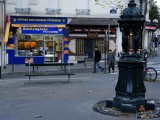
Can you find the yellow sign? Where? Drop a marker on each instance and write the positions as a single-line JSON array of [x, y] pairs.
[[6, 33]]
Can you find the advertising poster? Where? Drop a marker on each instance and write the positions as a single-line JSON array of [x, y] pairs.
[[29, 60]]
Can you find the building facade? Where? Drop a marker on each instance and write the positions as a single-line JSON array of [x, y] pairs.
[[88, 25]]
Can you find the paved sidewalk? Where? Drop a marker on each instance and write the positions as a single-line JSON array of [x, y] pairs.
[[51, 98]]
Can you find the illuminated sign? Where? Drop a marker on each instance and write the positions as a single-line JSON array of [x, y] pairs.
[[40, 30], [92, 34], [150, 27], [37, 20]]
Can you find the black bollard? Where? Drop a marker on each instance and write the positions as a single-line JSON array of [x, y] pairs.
[[0, 72]]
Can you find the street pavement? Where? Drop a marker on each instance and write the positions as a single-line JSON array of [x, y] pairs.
[[52, 98]]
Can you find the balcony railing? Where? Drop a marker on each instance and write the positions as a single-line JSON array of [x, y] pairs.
[[82, 11], [53, 11], [23, 10], [11, 2]]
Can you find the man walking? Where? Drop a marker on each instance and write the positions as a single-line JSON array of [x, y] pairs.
[[97, 58]]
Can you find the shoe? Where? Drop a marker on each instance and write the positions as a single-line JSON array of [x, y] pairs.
[[94, 72], [102, 69]]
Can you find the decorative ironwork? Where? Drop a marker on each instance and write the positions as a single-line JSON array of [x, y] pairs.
[[23, 10], [53, 11], [11, 2], [130, 88], [82, 11]]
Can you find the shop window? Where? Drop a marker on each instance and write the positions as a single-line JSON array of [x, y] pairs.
[[49, 46], [53, 7], [86, 46], [29, 45], [82, 7], [80, 47]]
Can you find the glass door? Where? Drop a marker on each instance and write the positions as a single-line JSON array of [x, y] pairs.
[[53, 48], [49, 48]]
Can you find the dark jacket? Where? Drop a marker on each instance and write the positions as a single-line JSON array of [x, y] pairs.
[[111, 60], [97, 56]]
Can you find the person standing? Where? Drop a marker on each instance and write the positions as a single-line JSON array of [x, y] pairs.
[[111, 61], [97, 58]]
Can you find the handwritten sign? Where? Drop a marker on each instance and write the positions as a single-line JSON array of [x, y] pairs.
[[29, 60]]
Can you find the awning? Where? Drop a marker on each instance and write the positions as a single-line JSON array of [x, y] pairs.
[[93, 22], [6, 33]]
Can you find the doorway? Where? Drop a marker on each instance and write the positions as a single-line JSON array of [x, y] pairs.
[[89, 45]]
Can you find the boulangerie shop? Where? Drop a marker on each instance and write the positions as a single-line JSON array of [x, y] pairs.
[[42, 39]]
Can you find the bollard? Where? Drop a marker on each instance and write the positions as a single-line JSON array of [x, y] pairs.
[[0, 72]]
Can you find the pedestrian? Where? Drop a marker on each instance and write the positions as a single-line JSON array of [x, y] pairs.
[[97, 58], [111, 61]]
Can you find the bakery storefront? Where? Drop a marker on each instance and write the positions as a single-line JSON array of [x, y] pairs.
[[38, 39], [86, 33]]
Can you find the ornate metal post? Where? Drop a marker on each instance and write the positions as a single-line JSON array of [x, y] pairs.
[[130, 89]]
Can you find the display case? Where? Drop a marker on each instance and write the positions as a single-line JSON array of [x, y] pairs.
[[29, 45], [49, 46]]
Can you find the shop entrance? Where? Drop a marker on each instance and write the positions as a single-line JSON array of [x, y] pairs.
[[53, 48], [89, 48]]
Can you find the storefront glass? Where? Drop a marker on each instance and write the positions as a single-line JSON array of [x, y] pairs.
[[49, 46]]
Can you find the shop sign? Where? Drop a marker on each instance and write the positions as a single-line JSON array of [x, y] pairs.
[[92, 34], [37, 20], [150, 27], [40, 30], [77, 30], [29, 60]]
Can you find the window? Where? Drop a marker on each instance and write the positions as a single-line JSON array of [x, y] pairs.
[[53, 7], [82, 7], [11, 2], [21, 3], [22, 7], [33, 2]]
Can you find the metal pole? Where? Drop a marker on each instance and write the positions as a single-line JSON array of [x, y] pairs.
[[141, 2], [105, 50], [108, 35], [1, 42]]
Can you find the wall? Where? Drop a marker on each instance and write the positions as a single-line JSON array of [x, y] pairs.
[[68, 9]]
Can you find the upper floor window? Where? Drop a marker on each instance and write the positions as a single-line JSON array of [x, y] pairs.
[[83, 7], [21, 3], [22, 7], [33, 2], [11, 2], [53, 7]]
